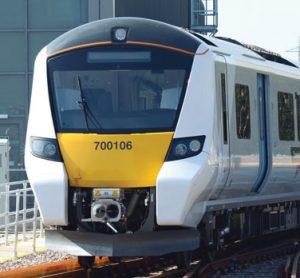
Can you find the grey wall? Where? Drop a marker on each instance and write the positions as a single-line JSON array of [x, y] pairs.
[[175, 12], [25, 27]]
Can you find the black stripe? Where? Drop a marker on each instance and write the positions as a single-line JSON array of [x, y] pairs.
[[139, 29]]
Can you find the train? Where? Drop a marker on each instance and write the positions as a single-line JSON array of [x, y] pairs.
[[147, 139]]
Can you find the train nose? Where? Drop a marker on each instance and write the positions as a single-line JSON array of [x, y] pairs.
[[114, 161]]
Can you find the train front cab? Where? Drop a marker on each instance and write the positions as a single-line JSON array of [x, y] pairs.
[[115, 107], [115, 112]]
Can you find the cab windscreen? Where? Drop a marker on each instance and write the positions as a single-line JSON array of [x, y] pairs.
[[118, 89]]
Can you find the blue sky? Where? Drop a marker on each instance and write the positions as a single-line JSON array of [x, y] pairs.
[[271, 24]]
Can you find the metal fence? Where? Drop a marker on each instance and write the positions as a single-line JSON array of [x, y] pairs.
[[19, 215]]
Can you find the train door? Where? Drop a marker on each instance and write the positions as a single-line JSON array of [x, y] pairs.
[[264, 157], [222, 96]]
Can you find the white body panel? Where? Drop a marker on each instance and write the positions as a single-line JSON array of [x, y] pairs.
[[48, 178], [283, 177], [183, 186], [51, 192], [180, 194]]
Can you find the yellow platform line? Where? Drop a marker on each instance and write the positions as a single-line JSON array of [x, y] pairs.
[[23, 254]]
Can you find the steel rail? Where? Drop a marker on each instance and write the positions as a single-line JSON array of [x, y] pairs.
[[295, 265], [65, 268], [248, 258]]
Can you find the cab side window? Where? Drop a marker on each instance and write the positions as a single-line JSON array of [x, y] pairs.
[[242, 102]]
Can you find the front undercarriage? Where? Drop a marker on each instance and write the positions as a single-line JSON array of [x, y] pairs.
[[114, 223], [111, 211]]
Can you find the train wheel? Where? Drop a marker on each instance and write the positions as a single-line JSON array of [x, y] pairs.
[[86, 262], [210, 252], [184, 260]]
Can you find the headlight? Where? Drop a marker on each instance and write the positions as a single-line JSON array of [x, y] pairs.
[[195, 145], [45, 148], [119, 34], [185, 147], [180, 149], [50, 149]]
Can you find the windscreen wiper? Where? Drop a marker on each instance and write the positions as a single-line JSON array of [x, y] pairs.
[[82, 103], [86, 111]]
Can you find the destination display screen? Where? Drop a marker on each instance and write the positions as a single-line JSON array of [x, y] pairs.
[[119, 57]]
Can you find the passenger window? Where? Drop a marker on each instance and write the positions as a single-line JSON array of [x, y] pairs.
[[286, 116], [298, 114], [242, 103]]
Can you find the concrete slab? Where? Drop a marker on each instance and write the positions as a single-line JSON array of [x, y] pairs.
[[24, 246]]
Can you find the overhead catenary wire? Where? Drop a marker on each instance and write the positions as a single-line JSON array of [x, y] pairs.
[[296, 49]]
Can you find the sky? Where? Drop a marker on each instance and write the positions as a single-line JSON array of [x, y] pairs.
[[270, 24]]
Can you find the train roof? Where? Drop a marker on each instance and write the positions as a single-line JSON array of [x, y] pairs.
[[231, 47], [158, 33], [139, 30]]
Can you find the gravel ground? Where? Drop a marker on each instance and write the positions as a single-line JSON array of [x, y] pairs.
[[34, 259]]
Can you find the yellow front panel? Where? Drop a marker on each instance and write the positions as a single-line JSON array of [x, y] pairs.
[[126, 160]]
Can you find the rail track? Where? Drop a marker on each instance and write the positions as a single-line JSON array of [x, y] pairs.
[[234, 257], [245, 259], [292, 267]]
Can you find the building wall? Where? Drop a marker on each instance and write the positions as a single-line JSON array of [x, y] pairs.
[[176, 12], [25, 27]]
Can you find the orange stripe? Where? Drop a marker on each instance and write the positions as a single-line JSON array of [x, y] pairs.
[[167, 47], [78, 47], [128, 42]]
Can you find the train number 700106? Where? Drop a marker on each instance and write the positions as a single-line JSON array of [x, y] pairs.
[[110, 145]]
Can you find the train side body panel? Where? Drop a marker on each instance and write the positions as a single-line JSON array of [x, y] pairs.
[[48, 179], [191, 180], [285, 153], [282, 175]]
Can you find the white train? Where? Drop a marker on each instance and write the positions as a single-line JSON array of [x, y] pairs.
[[147, 139]]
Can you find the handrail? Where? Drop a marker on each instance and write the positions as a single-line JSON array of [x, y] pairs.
[[24, 218]]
